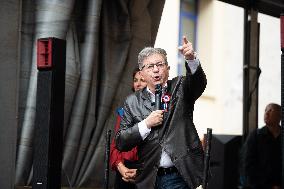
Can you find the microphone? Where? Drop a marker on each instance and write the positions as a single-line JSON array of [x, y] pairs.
[[158, 96]]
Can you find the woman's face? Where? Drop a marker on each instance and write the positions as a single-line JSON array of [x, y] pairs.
[[138, 82]]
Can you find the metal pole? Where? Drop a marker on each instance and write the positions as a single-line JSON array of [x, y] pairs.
[[107, 150], [207, 151], [282, 93], [245, 72], [251, 71]]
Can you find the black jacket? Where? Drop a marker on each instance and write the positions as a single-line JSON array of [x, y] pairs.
[[262, 159], [177, 135]]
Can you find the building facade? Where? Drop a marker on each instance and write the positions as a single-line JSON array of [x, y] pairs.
[[217, 32]]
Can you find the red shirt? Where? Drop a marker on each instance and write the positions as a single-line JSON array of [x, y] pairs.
[[115, 155]]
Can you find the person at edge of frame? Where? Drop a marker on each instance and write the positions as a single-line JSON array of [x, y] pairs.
[[124, 162]]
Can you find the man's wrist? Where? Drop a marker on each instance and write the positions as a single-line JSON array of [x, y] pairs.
[[147, 124], [143, 129], [191, 58], [192, 65]]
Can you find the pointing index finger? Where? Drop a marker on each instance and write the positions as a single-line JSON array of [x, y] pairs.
[[184, 39]]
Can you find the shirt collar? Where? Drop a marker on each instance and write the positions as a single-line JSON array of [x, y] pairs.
[[152, 94]]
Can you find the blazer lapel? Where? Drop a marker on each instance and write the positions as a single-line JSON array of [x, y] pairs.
[[171, 90], [147, 99]]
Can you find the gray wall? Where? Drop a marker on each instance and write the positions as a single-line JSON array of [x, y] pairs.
[[9, 67]]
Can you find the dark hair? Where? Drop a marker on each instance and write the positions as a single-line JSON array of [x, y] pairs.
[[135, 71], [276, 107]]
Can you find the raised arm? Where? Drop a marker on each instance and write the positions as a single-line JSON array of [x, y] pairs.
[[195, 76]]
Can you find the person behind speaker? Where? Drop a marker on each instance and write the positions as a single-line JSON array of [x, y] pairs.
[[170, 154], [262, 152], [120, 161]]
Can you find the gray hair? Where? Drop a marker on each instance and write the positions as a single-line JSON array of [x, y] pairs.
[[148, 51]]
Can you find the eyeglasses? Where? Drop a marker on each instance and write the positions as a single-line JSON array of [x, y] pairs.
[[150, 67]]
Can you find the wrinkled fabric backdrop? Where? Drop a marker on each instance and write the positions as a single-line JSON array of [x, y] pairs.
[[103, 40]]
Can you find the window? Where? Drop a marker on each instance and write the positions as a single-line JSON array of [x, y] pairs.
[[187, 27]]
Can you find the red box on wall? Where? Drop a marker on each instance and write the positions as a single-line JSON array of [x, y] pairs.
[[44, 53]]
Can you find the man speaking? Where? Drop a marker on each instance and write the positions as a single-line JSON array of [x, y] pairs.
[[169, 150]]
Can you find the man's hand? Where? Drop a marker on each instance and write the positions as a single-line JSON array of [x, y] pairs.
[[186, 49], [154, 119]]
